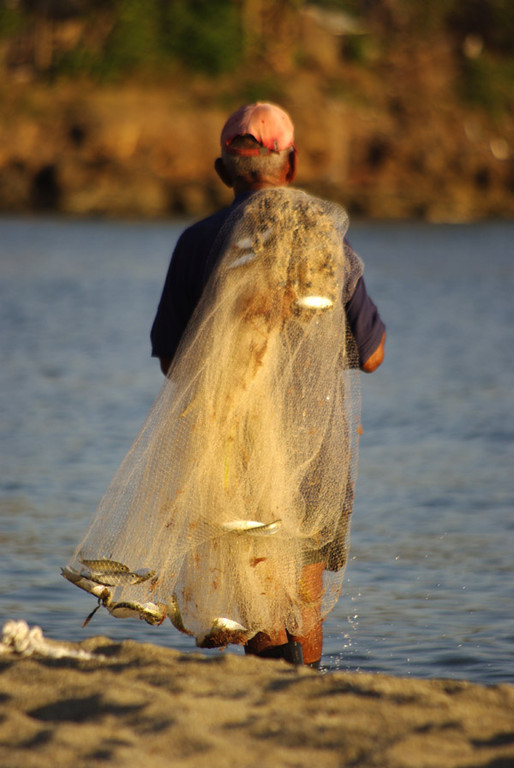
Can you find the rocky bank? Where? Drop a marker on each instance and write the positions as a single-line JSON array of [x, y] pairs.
[[389, 141]]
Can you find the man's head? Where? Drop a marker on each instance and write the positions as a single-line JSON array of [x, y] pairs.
[[257, 148]]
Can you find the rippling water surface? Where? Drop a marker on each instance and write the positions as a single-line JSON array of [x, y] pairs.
[[429, 586]]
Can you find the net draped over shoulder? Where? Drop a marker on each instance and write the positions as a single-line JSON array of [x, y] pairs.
[[243, 471]]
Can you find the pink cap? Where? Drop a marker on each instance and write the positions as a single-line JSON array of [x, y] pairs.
[[267, 123]]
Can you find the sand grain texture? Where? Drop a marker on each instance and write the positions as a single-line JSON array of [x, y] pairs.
[[146, 705]]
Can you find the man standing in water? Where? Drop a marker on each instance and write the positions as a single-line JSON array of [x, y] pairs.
[[258, 153]]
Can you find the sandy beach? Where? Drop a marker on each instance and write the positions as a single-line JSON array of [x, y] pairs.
[[132, 704]]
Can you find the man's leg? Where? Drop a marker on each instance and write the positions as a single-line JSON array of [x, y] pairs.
[[311, 591], [282, 644]]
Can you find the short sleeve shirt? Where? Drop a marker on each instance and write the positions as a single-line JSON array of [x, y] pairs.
[[192, 262]]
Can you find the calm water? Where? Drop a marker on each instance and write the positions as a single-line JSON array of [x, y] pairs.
[[429, 587]]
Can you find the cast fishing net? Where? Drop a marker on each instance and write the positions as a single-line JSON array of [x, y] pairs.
[[242, 476]]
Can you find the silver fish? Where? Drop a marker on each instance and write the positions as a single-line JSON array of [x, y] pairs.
[[98, 590], [150, 612], [315, 302], [118, 578], [248, 255], [246, 245], [228, 625], [174, 615], [222, 632], [252, 527], [104, 565]]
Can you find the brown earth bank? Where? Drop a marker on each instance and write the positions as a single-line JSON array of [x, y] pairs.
[[137, 704], [390, 144]]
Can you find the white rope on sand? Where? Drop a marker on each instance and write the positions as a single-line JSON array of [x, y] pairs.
[[18, 638]]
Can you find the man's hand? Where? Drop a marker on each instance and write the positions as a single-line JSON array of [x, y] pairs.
[[376, 359], [165, 364]]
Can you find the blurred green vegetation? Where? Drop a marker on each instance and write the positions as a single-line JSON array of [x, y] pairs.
[[12, 20], [487, 82], [115, 39], [202, 35], [133, 35]]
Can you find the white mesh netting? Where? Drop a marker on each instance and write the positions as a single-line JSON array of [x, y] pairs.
[[242, 475]]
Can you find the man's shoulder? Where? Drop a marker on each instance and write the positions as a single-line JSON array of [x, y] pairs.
[[205, 229]]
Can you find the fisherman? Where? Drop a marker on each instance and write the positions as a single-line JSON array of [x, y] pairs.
[[257, 153]]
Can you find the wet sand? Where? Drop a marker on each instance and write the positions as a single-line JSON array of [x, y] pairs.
[[134, 704]]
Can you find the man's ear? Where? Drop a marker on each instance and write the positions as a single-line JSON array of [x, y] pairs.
[[219, 167], [291, 172]]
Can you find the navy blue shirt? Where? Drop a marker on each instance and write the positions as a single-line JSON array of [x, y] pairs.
[[191, 265]]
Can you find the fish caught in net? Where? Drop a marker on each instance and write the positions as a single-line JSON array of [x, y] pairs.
[[242, 475]]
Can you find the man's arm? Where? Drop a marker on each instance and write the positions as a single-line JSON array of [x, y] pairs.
[[175, 306], [165, 363], [376, 359], [367, 328]]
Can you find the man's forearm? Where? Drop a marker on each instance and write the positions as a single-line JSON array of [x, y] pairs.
[[376, 359], [165, 363]]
